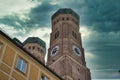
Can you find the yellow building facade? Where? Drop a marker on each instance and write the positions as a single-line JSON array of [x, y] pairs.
[[18, 64]]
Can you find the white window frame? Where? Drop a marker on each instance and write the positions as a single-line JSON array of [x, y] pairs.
[[21, 65]]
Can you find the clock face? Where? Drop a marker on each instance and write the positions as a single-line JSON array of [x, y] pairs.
[[76, 50], [54, 50]]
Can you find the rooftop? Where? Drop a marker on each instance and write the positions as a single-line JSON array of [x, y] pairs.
[[65, 11], [35, 40]]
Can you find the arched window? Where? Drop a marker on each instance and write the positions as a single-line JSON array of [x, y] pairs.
[[74, 34], [29, 47], [67, 18], [63, 18], [33, 47], [56, 34]]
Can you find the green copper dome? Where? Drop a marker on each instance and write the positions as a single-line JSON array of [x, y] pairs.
[[65, 11], [35, 40]]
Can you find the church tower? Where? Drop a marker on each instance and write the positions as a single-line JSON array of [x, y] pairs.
[[66, 54], [36, 47]]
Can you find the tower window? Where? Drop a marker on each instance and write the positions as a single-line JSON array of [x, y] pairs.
[[74, 34], [76, 22], [33, 47], [67, 18], [57, 20], [53, 60], [54, 23], [29, 47], [63, 18], [38, 49], [41, 51], [57, 34], [73, 20], [21, 65]]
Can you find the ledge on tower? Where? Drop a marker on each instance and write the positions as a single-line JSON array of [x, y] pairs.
[[35, 40], [65, 11]]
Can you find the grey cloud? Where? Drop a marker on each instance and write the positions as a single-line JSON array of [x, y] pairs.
[[41, 14], [11, 20], [106, 74], [105, 46], [38, 17], [102, 15]]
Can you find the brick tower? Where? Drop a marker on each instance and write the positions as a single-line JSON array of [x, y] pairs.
[[36, 47], [66, 54]]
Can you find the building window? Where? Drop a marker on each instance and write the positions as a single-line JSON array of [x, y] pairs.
[[33, 47], [57, 20], [38, 49], [21, 65], [41, 51], [63, 18], [56, 34], [76, 22], [44, 78], [54, 23], [67, 18], [29, 47], [73, 20], [74, 34]]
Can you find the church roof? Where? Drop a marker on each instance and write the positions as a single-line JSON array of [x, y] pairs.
[[65, 11], [35, 40]]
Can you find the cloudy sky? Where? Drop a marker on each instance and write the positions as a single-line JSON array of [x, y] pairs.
[[99, 25]]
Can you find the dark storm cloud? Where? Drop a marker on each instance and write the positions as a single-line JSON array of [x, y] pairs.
[[102, 15], [11, 20], [105, 46], [40, 15]]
